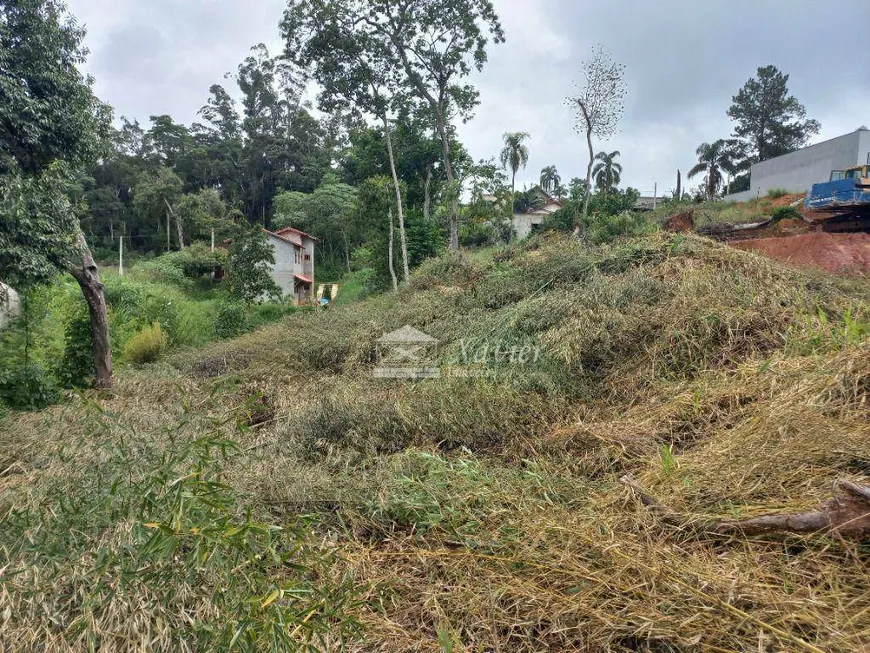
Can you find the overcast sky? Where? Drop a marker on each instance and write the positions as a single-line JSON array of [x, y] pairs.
[[684, 61]]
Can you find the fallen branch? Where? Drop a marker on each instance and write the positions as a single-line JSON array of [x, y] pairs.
[[847, 514]]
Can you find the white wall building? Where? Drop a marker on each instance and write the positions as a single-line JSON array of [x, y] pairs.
[[525, 223], [294, 263], [797, 171], [10, 305]]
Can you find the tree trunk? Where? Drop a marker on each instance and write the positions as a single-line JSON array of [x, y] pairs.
[[588, 174], [679, 186], [88, 277], [448, 172], [168, 233], [427, 187], [346, 250], [178, 226], [392, 267], [404, 245]]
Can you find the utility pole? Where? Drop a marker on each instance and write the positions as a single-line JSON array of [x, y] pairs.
[[655, 195], [121, 256]]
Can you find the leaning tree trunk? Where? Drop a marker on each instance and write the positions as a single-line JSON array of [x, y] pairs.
[[404, 245], [87, 275], [392, 267]]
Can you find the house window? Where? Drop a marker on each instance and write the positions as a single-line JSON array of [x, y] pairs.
[[296, 256], [308, 257]]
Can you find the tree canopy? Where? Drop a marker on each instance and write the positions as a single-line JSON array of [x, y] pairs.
[[769, 121]]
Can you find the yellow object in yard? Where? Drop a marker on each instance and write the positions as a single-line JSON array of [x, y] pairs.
[[320, 289], [334, 293]]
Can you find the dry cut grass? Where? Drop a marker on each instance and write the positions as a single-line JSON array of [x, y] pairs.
[[270, 487]]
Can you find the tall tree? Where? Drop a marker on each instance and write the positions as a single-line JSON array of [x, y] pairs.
[[770, 122], [430, 46], [156, 196], [714, 159], [350, 74], [599, 104], [50, 121], [607, 172], [514, 155], [550, 179]]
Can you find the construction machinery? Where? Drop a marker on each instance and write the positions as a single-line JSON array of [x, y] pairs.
[[847, 191]]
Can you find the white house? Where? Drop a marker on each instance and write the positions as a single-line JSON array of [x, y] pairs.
[[526, 223], [10, 305], [293, 270]]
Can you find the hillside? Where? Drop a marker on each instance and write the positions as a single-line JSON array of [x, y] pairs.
[[267, 492]]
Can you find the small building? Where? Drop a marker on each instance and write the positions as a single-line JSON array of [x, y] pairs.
[[797, 171], [293, 270], [525, 224], [647, 203], [10, 305]]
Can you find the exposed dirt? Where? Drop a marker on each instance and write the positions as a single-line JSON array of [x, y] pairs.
[[681, 222], [834, 252]]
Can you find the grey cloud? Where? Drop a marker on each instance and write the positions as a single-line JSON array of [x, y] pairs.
[[684, 60]]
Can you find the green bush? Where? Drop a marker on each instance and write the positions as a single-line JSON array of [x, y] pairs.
[[776, 193], [30, 387], [231, 319], [77, 366], [606, 229], [785, 213], [146, 346], [163, 269], [197, 260]]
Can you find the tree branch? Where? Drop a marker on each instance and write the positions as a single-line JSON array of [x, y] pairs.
[[847, 514]]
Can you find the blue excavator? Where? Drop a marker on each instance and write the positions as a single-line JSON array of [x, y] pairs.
[[847, 192]]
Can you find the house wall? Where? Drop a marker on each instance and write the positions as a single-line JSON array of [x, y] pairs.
[[523, 223], [285, 267], [798, 171], [10, 305], [308, 266]]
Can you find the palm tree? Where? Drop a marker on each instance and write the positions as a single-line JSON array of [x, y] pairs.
[[607, 172], [713, 159], [514, 155], [550, 179]]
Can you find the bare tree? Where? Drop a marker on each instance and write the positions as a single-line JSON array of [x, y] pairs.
[[599, 103]]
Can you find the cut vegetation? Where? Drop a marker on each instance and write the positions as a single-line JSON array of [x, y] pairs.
[[267, 493]]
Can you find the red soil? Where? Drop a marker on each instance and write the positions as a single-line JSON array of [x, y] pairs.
[[834, 252]]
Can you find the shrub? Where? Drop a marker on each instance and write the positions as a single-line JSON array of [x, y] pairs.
[[606, 229], [77, 366], [197, 260], [30, 387], [776, 193], [146, 346], [231, 319], [785, 213], [163, 269]]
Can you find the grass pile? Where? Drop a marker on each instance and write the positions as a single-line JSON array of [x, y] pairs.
[[267, 493]]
